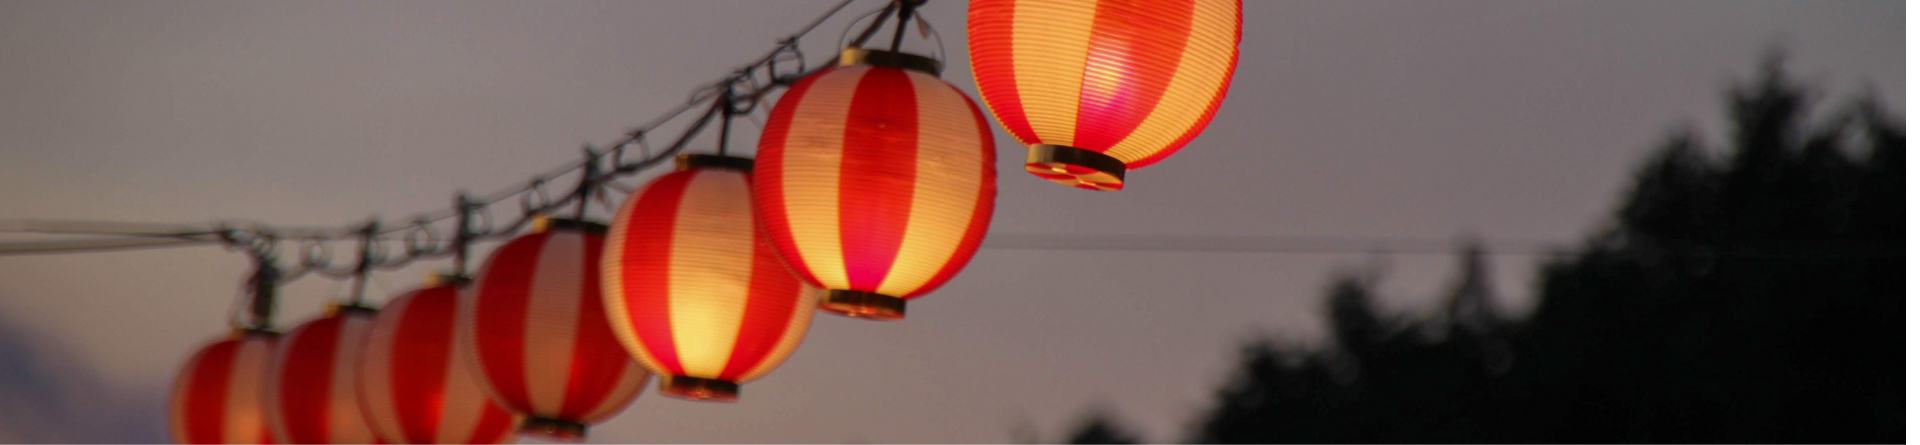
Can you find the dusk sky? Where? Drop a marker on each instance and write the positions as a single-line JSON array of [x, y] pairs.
[[1516, 121]]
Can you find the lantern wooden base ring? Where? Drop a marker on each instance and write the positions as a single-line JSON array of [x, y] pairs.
[[862, 56], [696, 388], [554, 428], [868, 305], [1076, 167]]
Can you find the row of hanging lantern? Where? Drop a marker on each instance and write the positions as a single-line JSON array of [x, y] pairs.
[[875, 185]]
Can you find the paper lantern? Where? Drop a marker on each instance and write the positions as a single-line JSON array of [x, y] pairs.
[[539, 334], [875, 181], [416, 386], [312, 388], [1099, 87], [694, 289], [219, 396]]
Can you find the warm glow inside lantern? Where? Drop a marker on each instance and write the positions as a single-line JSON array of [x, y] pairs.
[[875, 181], [416, 385], [1099, 87], [539, 334], [312, 389], [694, 289], [220, 395]]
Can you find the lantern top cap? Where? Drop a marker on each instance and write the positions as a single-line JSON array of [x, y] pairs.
[[252, 332], [544, 223], [875, 57], [447, 279], [350, 309], [692, 161]]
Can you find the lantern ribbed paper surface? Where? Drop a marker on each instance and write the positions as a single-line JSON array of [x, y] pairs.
[[539, 332], [220, 395], [876, 183], [1098, 87], [695, 290], [416, 386], [312, 390]]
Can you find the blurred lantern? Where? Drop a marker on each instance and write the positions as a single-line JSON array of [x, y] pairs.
[[312, 394], [415, 385], [694, 290], [1099, 87], [875, 181], [539, 333], [219, 395]]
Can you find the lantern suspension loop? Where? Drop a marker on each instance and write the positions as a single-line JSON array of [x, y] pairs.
[[368, 243], [590, 178], [873, 27], [905, 14]]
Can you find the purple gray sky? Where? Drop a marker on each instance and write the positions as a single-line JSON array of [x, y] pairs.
[[1506, 119]]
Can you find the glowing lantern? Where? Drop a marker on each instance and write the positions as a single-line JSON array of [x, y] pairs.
[[312, 394], [219, 395], [875, 181], [539, 332], [415, 385], [695, 291], [1099, 87]]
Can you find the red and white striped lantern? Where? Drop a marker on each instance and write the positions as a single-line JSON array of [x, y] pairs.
[[694, 289], [416, 386], [875, 181], [313, 392], [539, 332], [219, 396], [1099, 87]]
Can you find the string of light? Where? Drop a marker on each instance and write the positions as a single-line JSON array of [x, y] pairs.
[[873, 185]]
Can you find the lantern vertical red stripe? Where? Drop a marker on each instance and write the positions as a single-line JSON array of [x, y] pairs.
[[653, 234], [881, 127], [595, 337], [770, 304], [422, 376], [208, 377], [500, 323], [995, 75], [308, 367], [1130, 63], [771, 208], [1213, 106]]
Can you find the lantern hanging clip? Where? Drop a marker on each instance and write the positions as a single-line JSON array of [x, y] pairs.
[[264, 280], [463, 231], [368, 245]]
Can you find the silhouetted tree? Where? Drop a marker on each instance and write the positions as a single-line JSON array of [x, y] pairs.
[[1751, 297], [1099, 428]]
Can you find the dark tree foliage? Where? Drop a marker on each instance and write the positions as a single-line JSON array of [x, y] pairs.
[[1100, 429], [1750, 295]]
